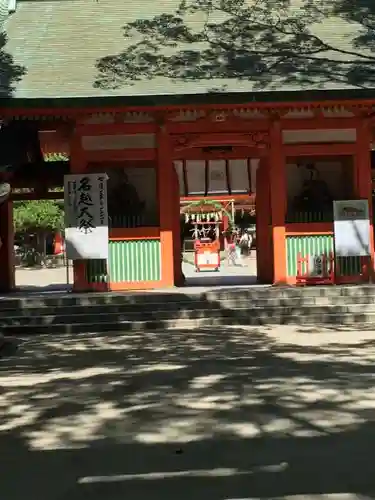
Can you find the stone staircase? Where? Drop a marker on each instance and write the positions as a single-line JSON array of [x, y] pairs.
[[85, 313]]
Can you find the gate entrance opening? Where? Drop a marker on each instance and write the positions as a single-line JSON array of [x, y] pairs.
[[218, 220], [219, 207]]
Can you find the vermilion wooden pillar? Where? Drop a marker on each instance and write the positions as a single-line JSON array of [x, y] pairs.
[[169, 212], [177, 248], [362, 165], [77, 166], [277, 169], [7, 278], [263, 221]]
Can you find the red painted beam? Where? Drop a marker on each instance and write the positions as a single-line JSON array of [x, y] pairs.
[[116, 129], [220, 140], [238, 153], [319, 149], [120, 155], [221, 197], [208, 126], [319, 123]]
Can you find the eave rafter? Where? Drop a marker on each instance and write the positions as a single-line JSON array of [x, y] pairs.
[[280, 111], [361, 111], [200, 113]]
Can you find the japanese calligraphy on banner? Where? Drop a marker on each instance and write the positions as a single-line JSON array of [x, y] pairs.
[[86, 216]]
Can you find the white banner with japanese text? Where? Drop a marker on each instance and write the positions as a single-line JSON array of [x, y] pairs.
[[351, 228], [86, 216]]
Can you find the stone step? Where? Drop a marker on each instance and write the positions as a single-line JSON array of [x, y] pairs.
[[123, 302], [232, 314], [219, 294], [105, 312], [108, 324], [156, 306], [171, 306]]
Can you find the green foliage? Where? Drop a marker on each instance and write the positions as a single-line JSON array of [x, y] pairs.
[[38, 215]]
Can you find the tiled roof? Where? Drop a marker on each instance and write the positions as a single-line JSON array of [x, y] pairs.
[[79, 48], [3, 12]]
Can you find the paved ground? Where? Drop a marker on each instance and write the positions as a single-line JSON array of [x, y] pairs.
[[53, 279], [243, 273], [60, 278], [233, 413]]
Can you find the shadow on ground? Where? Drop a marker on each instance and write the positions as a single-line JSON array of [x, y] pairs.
[[230, 413]]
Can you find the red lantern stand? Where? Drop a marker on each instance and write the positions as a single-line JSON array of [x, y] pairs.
[[207, 217], [206, 250], [206, 255]]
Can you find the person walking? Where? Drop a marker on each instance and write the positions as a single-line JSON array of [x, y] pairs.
[[230, 242], [246, 241]]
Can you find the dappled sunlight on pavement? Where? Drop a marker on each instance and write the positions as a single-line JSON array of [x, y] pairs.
[[288, 410]]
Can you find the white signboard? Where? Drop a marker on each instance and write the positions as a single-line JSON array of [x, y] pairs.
[[351, 228], [86, 216]]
